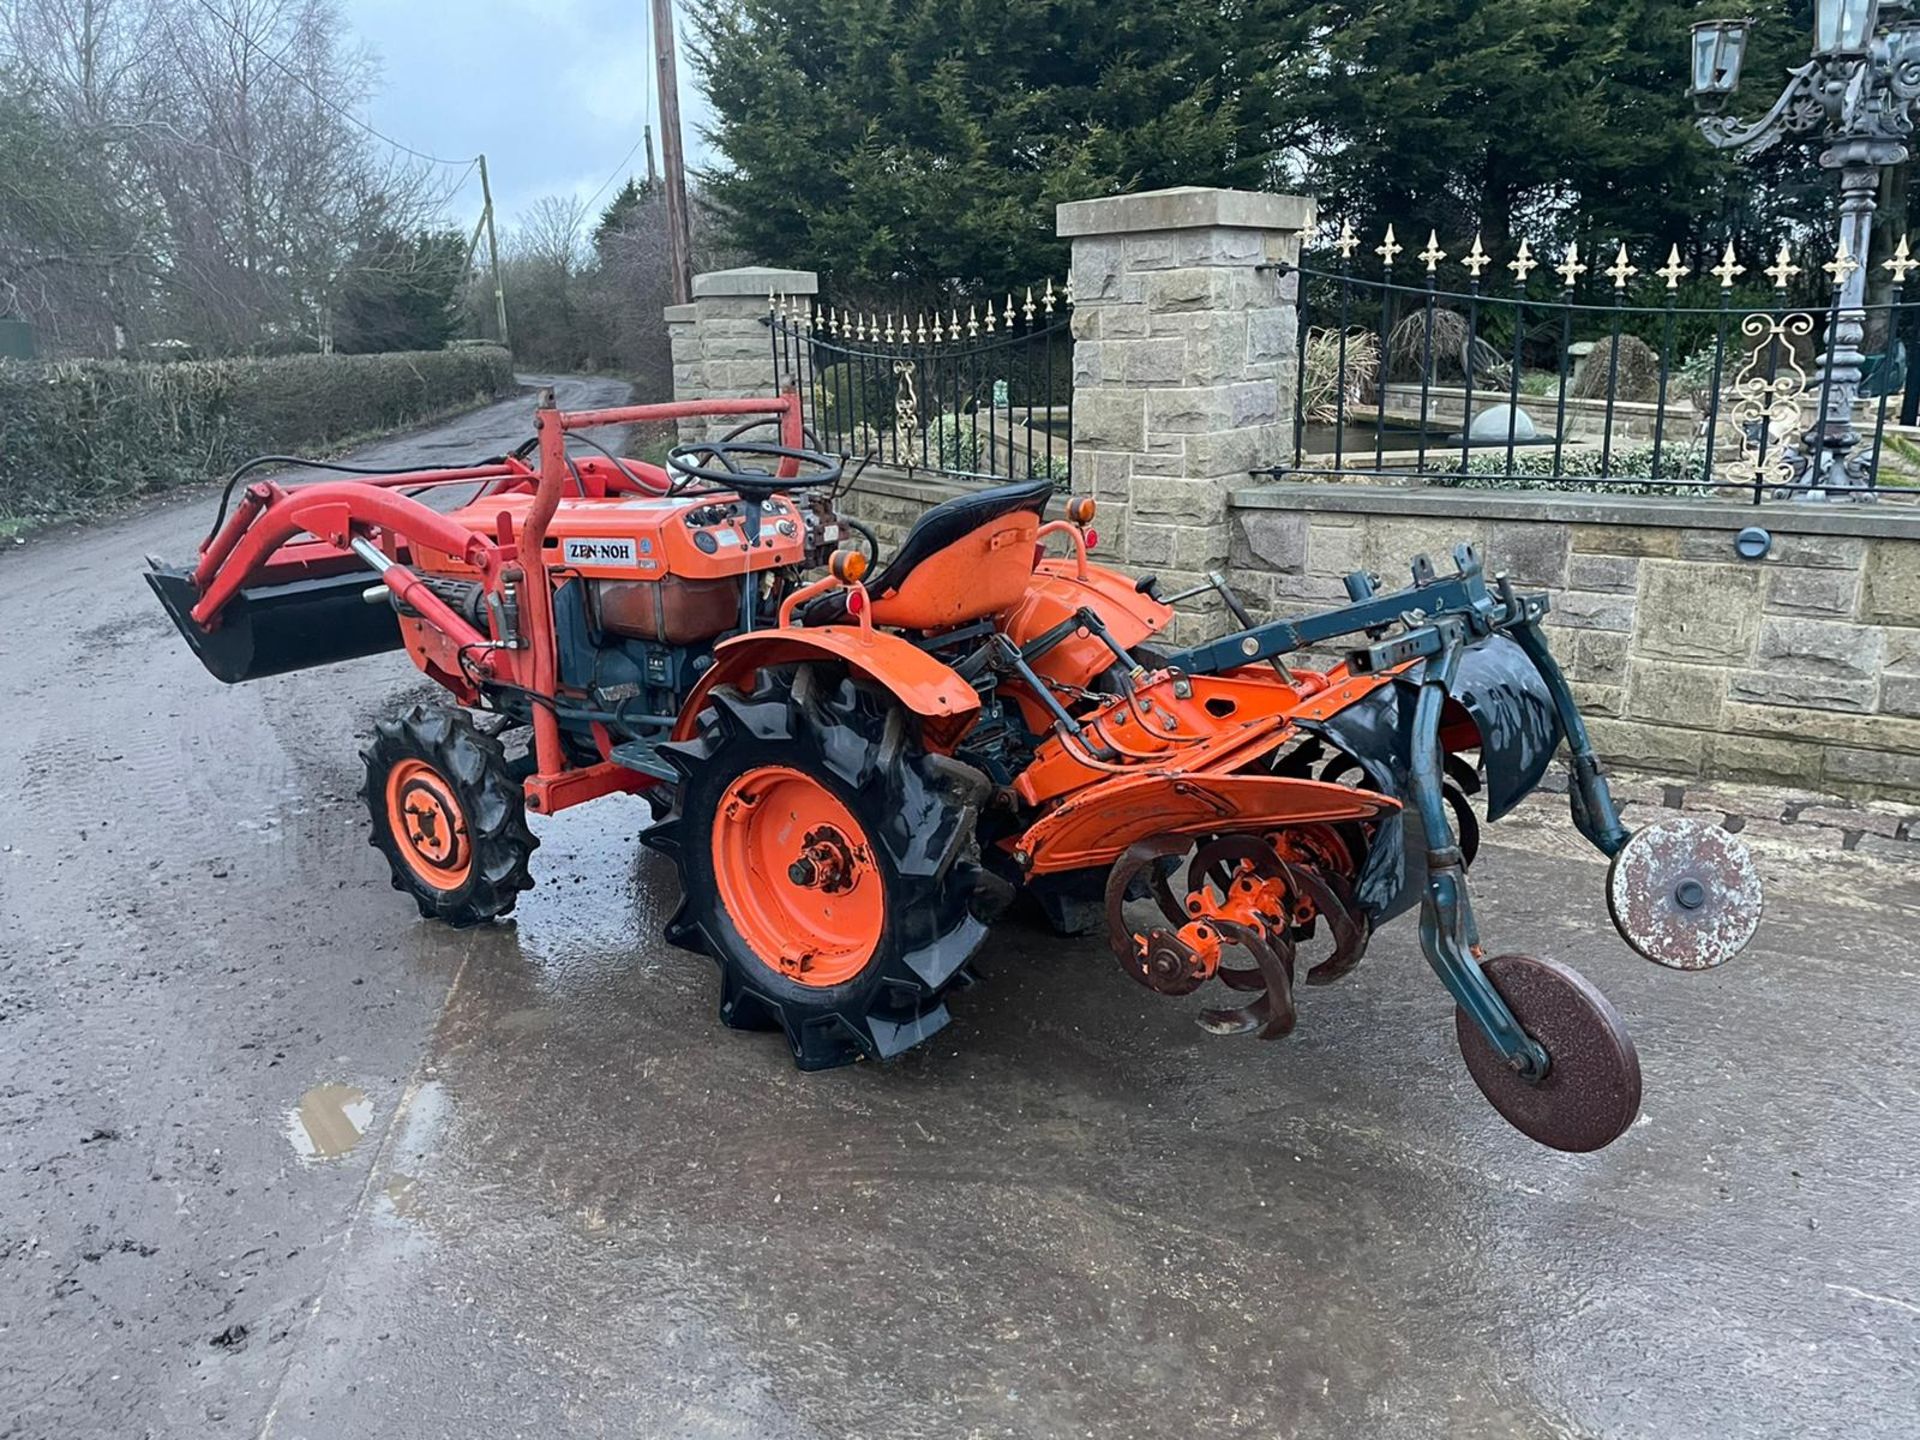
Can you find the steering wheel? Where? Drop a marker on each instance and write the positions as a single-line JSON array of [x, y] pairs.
[[747, 466]]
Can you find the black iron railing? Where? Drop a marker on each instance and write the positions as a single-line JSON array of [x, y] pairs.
[[1508, 387], [976, 397]]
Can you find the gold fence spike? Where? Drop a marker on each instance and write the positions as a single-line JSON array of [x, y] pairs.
[[922, 336], [1783, 269], [1046, 300], [889, 327], [1522, 264], [973, 321], [1433, 254], [1901, 262], [992, 319], [1622, 269], [1842, 266], [1068, 297], [1673, 272], [1009, 315], [1348, 241], [773, 303], [1570, 269], [1476, 259], [1027, 308], [1391, 248], [1728, 269], [953, 324]]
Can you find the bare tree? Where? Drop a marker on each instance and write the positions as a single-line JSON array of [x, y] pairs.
[[553, 234], [227, 191]]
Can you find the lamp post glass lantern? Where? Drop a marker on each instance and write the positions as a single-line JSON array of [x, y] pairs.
[[1858, 91], [1843, 27], [1718, 47]]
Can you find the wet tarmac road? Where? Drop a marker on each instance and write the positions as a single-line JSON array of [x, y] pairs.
[[580, 1207]]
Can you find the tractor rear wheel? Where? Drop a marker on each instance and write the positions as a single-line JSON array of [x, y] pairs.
[[448, 815], [828, 863]]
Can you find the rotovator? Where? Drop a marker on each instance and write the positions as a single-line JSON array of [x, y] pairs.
[[854, 772]]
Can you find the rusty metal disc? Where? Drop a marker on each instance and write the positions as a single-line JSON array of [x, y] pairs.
[[1685, 894], [1591, 1091]]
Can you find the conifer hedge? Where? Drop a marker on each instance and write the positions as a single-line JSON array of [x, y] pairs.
[[75, 435]]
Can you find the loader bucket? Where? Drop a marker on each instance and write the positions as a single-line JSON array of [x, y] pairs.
[[272, 629]]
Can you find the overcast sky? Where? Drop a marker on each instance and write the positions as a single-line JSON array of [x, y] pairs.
[[554, 91]]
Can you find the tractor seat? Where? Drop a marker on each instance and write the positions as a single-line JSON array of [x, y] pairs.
[[965, 559]]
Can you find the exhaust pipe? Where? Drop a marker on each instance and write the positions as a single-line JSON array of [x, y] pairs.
[[274, 629]]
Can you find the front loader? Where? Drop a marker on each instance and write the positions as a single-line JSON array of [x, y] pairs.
[[856, 760]]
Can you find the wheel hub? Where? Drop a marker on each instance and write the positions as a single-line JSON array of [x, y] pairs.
[[428, 824], [797, 877], [826, 862]]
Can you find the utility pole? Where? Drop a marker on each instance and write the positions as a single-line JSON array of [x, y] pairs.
[[493, 255], [653, 176], [679, 242]]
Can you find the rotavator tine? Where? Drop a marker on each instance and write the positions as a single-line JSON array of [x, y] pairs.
[[1240, 979], [1349, 930], [1162, 896], [1282, 1015], [1142, 855]]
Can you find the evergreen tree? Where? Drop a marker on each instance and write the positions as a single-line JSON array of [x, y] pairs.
[[932, 138], [401, 292], [926, 142], [626, 208]]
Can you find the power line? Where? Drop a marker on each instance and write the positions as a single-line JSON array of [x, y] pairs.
[[646, 110], [340, 110], [632, 150]]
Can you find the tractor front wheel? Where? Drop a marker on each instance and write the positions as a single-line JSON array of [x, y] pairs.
[[828, 863], [448, 815]]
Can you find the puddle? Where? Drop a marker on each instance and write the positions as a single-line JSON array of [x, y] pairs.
[[400, 1194], [328, 1122]]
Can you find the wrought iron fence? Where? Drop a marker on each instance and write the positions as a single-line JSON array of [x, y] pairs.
[[1470, 385], [987, 397]]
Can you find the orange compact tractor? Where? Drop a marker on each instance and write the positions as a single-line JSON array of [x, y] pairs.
[[856, 759]]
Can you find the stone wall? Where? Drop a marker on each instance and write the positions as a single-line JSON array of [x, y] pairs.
[[722, 347], [1801, 669], [1184, 364]]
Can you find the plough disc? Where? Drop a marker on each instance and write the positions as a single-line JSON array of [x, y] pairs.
[[1591, 1092], [1685, 894]]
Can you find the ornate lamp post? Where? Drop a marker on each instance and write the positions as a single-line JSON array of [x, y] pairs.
[[1859, 88]]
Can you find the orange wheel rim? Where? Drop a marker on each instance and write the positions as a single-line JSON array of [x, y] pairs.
[[428, 825], [797, 876]]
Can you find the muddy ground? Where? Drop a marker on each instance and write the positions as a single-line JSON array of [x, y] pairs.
[[581, 1207]]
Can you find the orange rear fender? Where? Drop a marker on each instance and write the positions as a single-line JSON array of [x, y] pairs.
[[946, 704], [1056, 591]]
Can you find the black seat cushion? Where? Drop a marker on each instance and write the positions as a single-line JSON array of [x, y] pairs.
[[933, 532]]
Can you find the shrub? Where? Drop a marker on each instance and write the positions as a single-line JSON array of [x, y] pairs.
[[1635, 375], [954, 443], [1335, 376], [77, 434], [1533, 469], [1439, 347]]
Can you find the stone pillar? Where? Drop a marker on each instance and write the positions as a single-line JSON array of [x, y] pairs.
[[1185, 359], [721, 344]]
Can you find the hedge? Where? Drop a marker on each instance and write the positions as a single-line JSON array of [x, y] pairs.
[[78, 434]]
